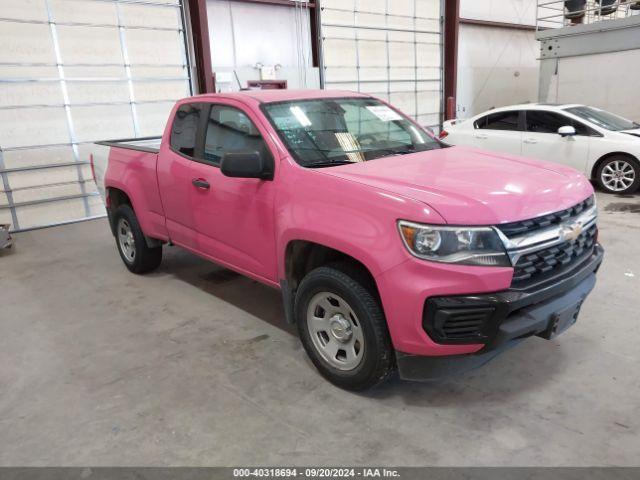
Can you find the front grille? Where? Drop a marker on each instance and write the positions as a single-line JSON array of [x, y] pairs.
[[515, 229], [538, 266]]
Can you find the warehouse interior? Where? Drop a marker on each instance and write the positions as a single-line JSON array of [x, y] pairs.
[[195, 364]]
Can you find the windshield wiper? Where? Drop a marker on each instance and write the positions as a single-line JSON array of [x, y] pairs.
[[391, 151], [328, 163]]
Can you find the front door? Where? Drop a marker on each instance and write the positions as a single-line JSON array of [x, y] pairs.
[[542, 141], [234, 217], [229, 220]]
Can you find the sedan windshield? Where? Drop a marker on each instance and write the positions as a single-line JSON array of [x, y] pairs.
[[327, 132], [603, 119]]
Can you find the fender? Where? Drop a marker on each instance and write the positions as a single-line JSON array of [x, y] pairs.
[[288, 296], [344, 215], [130, 177]]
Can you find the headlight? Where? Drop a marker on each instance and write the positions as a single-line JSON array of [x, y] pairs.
[[463, 245]]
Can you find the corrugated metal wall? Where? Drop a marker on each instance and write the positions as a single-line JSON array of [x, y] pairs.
[[496, 67], [389, 48], [72, 72], [244, 34]]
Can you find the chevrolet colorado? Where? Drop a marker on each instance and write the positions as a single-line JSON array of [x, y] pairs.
[[391, 249]]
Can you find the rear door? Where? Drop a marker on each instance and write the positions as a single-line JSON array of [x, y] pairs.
[[499, 132], [458, 132], [542, 141], [179, 157]]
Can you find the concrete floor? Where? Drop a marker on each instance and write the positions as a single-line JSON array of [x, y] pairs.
[[194, 365]]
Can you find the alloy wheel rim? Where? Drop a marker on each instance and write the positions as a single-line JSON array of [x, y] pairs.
[[126, 241], [618, 175], [335, 331]]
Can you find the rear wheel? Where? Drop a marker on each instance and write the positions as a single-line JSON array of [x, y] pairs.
[[342, 327], [619, 174], [137, 256]]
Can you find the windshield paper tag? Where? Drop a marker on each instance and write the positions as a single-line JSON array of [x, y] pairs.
[[384, 113]]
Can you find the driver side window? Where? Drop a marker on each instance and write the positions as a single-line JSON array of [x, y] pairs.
[[230, 130], [539, 121]]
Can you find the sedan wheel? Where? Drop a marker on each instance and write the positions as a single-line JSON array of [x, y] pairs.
[[619, 175]]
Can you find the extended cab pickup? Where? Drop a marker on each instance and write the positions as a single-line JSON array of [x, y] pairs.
[[391, 249]]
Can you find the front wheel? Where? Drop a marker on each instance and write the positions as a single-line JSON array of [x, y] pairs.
[[619, 174], [342, 327], [137, 256]]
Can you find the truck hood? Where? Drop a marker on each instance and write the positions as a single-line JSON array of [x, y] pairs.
[[472, 187]]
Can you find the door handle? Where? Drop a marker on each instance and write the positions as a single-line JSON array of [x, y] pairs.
[[530, 140], [481, 136], [200, 183]]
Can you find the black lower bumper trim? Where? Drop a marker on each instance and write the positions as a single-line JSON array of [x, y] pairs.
[[473, 319], [420, 368], [516, 315], [540, 319]]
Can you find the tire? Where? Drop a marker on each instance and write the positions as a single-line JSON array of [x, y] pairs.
[[137, 256], [353, 322], [619, 174]]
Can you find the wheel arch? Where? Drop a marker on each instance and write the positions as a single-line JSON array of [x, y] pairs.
[[605, 157], [302, 256], [115, 197]]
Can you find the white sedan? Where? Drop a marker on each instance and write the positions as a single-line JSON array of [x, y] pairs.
[[604, 146]]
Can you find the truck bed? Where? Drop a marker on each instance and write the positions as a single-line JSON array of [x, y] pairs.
[[143, 144], [128, 147]]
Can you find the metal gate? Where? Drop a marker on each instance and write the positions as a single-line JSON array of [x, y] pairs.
[[389, 48], [73, 72]]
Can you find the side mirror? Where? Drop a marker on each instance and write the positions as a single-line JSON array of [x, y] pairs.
[[246, 164], [566, 131]]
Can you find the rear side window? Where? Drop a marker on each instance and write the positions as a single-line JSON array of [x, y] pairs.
[[185, 129], [499, 121], [231, 130]]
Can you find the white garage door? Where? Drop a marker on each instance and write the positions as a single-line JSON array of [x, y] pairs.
[[389, 48], [73, 72]]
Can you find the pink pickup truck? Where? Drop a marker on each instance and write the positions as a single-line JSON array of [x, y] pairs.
[[391, 248]]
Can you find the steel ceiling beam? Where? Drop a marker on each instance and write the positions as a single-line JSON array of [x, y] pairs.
[[286, 3], [201, 45], [451, 29]]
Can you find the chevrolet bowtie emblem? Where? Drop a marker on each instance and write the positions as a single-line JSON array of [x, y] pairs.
[[570, 231]]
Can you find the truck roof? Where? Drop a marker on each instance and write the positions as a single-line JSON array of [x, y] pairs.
[[269, 96]]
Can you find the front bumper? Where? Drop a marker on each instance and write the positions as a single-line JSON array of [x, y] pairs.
[[511, 316]]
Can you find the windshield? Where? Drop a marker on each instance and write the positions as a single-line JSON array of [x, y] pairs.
[[327, 132], [603, 119]]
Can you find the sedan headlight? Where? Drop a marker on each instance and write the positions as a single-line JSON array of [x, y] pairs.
[[462, 245]]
